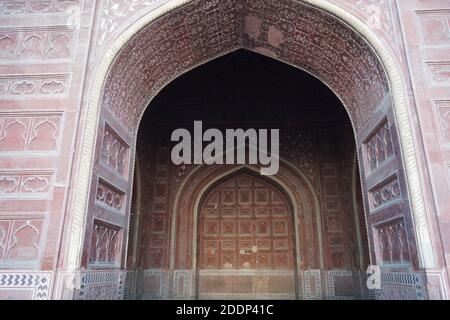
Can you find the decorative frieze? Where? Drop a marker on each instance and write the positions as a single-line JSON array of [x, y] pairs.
[[25, 286], [20, 241], [34, 86], [312, 284], [36, 45], [110, 196], [359, 77], [10, 7], [23, 184]]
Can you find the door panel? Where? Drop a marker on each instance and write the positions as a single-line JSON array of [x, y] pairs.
[[246, 241]]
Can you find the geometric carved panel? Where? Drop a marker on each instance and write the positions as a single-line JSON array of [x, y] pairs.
[[434, 27], [25, 286], [401, 286], [443, 114], [101, 285], [312, 283], [155, 284], [334, 223], [246, 284], [182, 284]]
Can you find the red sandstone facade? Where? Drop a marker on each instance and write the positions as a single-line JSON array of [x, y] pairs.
[[87, 212]]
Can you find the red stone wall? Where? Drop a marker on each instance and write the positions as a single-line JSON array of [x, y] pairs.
[[43, 56], [426, 29]]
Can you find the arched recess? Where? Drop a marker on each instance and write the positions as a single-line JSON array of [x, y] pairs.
[[297, 190], [314, 35], [304, 197]]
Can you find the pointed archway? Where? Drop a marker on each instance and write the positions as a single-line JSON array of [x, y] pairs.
[[313, 35]]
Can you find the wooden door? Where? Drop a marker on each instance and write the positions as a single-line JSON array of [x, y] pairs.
[[246, 241]]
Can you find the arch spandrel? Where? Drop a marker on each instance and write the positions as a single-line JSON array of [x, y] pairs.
[[284, 30]]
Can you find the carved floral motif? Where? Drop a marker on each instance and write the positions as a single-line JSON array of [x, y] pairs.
[[9, 7], [114, 151], [156, 55], [110, 196], [26, 133]]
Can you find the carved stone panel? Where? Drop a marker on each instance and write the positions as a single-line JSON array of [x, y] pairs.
[[13, 87], [443, 118], [106, 244], [392, 243], [378, 147], [110, 196], [20, 242], [115, 152], [434, 27], [385, 192], [36, 45]]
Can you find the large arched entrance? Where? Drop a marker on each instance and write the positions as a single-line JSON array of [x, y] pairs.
[[237, 233], [310, 35]]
